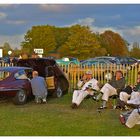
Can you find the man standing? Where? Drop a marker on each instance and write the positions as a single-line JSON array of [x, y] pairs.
[[87, 86], [112, 88], [39, 88]]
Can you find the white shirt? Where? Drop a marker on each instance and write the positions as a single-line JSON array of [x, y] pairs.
[[93, 83]]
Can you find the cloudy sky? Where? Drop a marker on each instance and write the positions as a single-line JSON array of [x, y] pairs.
[[16, 19]]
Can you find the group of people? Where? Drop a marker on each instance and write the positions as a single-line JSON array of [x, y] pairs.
[[128, 96], [89, 85]]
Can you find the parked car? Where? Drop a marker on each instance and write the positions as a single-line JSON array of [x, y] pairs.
[[92, 62], [6, 59], [15, 83], [48, 68], [68, 61], [108, 58], [123, 60]]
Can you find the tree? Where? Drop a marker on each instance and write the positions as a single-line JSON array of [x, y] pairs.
[[61, 36], [16, 52], [114, 43], [39, 37], [81, 43], [6, 48], [135, 51]]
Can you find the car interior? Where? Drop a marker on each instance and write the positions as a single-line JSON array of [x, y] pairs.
[[50, 79]]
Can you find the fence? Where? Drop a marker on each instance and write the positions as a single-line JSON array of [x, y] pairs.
[[101, 72], [2, 64]]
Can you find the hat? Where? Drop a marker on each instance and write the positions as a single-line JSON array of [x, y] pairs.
[[88, 72]]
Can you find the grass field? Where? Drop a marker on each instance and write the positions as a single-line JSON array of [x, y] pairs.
[[57, 119]]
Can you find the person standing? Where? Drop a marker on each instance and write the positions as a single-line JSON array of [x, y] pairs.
[[39, 88]]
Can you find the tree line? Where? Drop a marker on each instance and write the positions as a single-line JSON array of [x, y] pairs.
[[77, 41]]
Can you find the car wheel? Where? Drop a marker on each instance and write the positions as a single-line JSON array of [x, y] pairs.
[[58, 92], [20, 98]]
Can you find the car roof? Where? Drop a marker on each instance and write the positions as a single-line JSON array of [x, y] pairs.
[[36, 60], [69, 57], [98, 60], [105, 57], [12, 69], [43, 58]]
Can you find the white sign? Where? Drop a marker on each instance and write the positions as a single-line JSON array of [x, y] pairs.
[[1, 55], [38, 51]]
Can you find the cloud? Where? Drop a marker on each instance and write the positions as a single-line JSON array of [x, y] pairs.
[[133, 31], [3, 15], [90, 22], [13, 40], [86, 21], [16, 22], [52, 7], [5, 5], [103, 29]]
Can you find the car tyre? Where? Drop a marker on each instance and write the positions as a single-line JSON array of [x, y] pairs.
[[58, 92], [20, 98]]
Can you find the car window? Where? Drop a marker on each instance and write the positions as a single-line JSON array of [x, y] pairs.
[[102, 62], [29, 73], [122, 60], [49, 71], [4, 75], [72, 59], [131, 60], [21, 74]]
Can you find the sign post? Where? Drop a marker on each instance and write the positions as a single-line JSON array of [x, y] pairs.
[[39, 52]]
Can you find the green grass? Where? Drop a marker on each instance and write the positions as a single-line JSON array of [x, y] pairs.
[[57, 119]]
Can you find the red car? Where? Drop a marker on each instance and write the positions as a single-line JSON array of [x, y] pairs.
[[14, 82]]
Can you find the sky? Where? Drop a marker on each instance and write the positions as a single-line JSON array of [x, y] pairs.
[[17, 19]]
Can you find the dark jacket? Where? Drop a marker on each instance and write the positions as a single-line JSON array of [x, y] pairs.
[[117, 84], [137, 87]]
